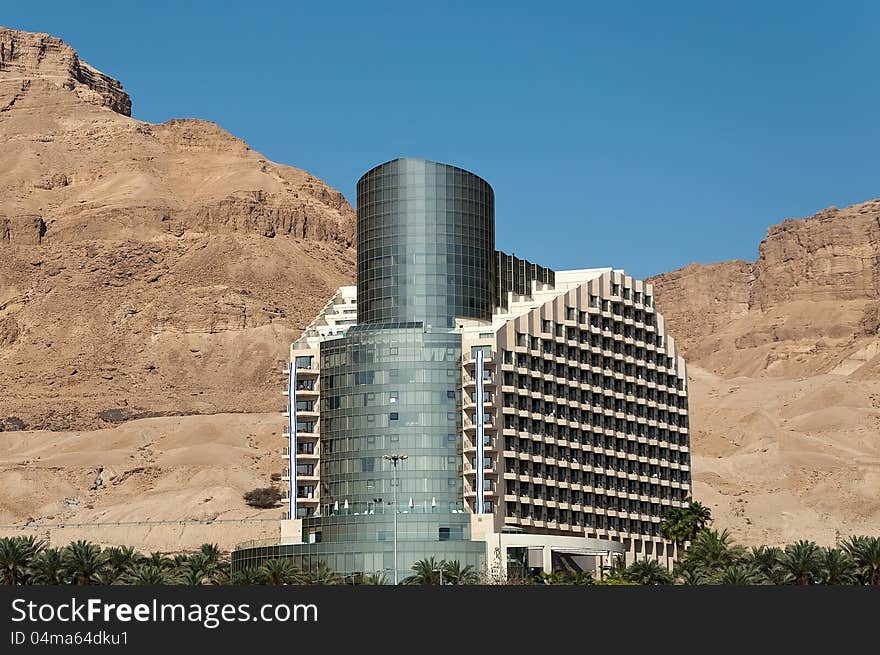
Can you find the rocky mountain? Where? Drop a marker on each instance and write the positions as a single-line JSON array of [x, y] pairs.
[[784, 356], [145, 269], [152, 277], [27, 58]]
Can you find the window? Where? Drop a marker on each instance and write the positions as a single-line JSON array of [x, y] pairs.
[[393, 416]]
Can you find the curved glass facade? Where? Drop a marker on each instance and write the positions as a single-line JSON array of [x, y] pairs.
[[386, 391], [390, 390], [426, 244]]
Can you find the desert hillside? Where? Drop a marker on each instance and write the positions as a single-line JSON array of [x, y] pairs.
[[145, 268], [784, 359], [152, 276], [145, 271]]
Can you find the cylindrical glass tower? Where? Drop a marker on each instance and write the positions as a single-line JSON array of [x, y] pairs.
[[392, 384], [390, 391], [425, 244]]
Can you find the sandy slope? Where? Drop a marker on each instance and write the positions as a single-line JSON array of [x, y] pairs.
[[780, 459], [190, 469]]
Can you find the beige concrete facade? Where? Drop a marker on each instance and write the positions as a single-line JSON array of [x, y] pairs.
[[585, 419], [335, 318]]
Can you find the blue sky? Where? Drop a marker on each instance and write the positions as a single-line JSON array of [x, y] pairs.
[[641, 135]]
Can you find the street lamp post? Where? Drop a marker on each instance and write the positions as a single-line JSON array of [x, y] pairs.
[[395, 460]]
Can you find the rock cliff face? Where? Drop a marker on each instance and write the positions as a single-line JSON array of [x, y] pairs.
[[701, 298], [805, 306], [145, 268], [26, 57], [831, 256], [784, 357]]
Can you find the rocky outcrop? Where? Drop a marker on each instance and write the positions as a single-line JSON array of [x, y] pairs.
[[25, 56], [92, 174], [145, 268], [699, 299], [832, 257], [27, 230]]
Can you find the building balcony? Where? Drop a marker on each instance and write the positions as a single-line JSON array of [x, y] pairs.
[[470, 383], [301, 455], [301, 477], [469, 360], [300, 434], [489, 448], [307, 373], [488, 423], [472, 493], [470, 402], [309, 501], [471, 472]]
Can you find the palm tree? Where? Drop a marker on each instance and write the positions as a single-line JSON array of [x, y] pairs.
[[375, 579], [712, 551], [865, 551], [647, 572], [16, 554], [580, 578], [249, 575], [47, 568], [147, 573], [739, 574], [320, 574], [280, 572], [836, 567], [190, 576], [676, 526], [766, 561], [690, 575], [454, 573], [120, 560], [192, 570], [160, 560], [801, 562], [84, 562], [682, 524], [212, 554], [205, 566], [425, 572], [700, 516]]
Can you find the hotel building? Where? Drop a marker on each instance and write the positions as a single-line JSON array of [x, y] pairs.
[[543, 414]]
